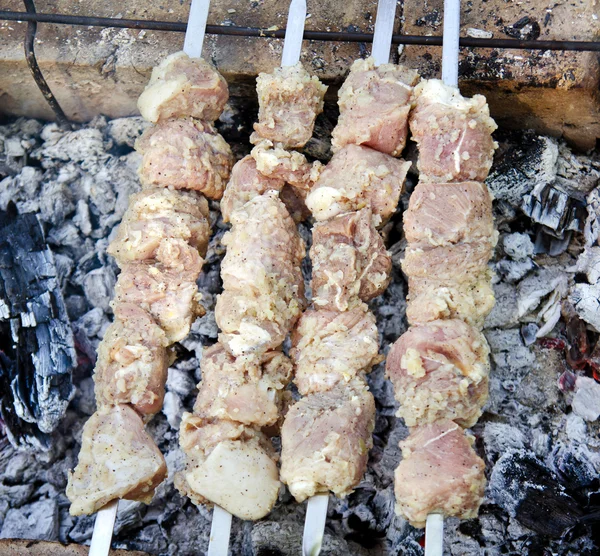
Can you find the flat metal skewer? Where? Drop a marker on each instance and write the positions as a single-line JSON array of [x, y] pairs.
[[434, 527], [105, 517], [316, 509], [103, 529]]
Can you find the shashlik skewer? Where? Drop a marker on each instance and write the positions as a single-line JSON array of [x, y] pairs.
[[241, 393], [159, 248], [327, 434], [440, 367]]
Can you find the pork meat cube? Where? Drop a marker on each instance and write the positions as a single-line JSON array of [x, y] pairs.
[[246, 183], [456, 263], [118, 460], [439, 473], [454, 134], [166, 288], [374, 105], [185, 154], [440, 370], [247, 389], [154, 215], [470, 299], [263, 286], [289, 101], [132, 362], [349, 261], [228, 464], [181, 86], [356, 178], [332, 347], [325, 439], [449, 213]]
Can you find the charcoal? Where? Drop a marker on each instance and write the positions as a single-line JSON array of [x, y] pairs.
[[124, 131], [17, 494], [586, 300], [555, 209], [37, 521], [99, 285], [529, 333], [518, 246], [35, 371], [504, 313], [586, 402], [523, 487], [513, 271], [528, 162], [498, 438]]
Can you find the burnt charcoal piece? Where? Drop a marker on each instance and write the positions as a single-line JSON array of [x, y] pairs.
[[36, 340], [521, 485]]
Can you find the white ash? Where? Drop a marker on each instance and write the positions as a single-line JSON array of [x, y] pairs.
[[586, 401], [89, 174]]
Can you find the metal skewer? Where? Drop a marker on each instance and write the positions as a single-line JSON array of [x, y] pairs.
[[105, 517], [220, 530], [316, 509], [434, 527]]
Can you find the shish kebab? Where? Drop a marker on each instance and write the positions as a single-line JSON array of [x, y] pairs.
[[440, 366], [327, 435], [159, 247], [231, 463]]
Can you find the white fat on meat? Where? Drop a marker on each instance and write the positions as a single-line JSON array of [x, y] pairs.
[[356, 178], [230, 465], [374, 106], [440, 370], [439, 473], [185, 154], [118, 460], [181, 86]]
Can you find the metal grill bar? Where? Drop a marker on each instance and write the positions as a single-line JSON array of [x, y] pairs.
[[342, 36]]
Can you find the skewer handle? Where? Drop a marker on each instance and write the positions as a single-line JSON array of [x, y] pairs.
[[450, 42], [103, 529], [314, 524], [294, 32], [220, 530], [384, 28], [434, 535], [196, 28]]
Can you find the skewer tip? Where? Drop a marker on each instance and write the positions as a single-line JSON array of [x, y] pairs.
[[314, 524], [434, 535], [103, 529], [219, 533]]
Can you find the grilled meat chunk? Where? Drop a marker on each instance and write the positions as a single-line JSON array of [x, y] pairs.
[[132, 362], [154, 215], [166, 288], [350, 263], [246, 389], [454, 134], [374, 105], [181, 87], [185, 154], [228, 464], [118, 459], [439, 371], [356, 178], [289, 101], [325, 439], [263, 287], [331, 347], [449, 213], [439, 473]]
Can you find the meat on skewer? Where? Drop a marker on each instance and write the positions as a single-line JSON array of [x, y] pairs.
[[230, 459], [326, 436], [440, 367], [159, 247]]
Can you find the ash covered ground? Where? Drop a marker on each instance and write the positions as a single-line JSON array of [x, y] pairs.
[[539, 436]]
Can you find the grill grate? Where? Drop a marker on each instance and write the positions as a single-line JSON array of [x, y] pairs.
[[34, 18]]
